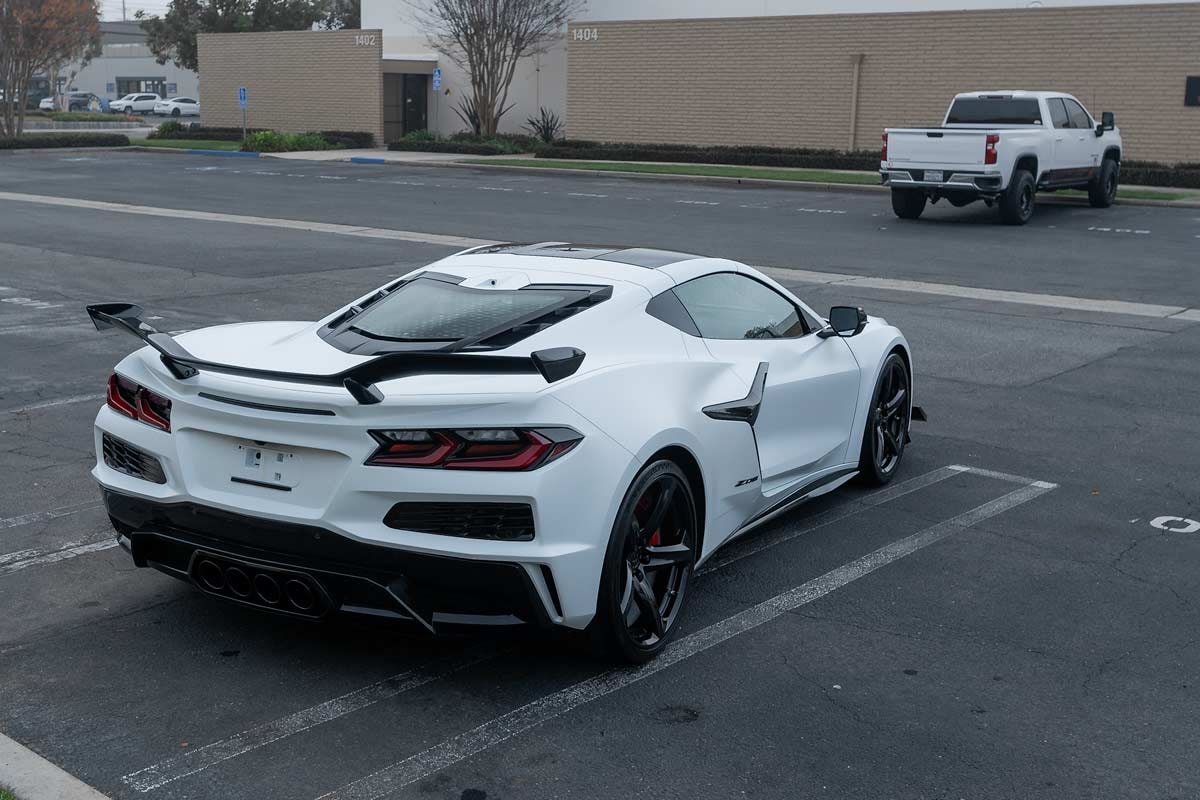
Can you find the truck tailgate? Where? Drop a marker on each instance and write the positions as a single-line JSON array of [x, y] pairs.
[[936, 146]]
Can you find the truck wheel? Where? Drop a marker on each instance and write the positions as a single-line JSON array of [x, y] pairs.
[[1016, 205], [908, 204], [1102, 191]]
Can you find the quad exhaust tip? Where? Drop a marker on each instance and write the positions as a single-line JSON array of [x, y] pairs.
[[260, 587]]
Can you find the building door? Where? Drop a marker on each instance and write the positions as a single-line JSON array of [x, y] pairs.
[[416, 103], [393, 107], [405, 104]]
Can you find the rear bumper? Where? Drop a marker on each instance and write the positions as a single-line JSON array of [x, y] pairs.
[[980, 184], [344, 576]]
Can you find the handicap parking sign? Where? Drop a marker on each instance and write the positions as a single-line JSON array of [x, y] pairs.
[[242, 96], [437, 79]]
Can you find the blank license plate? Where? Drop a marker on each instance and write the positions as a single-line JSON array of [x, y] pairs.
[[933, 175], [264, 465]]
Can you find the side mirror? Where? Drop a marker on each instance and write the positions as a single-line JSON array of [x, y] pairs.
[[845, 321], [1108, 122]]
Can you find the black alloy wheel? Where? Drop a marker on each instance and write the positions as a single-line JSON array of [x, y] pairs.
[[647, 565], [886, 433]]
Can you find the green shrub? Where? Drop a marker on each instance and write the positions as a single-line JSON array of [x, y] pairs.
[[464, 143], [274, 142], [48, 140], [348, 138], [167, 130], [546, 126]]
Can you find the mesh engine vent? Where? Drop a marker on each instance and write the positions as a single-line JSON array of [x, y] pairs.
[[124, 457]]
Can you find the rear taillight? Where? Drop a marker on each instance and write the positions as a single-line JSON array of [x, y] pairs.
[[989, 149], [510, 449], [883, 150], [138, 402]]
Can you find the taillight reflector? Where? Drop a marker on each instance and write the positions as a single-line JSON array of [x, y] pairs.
[[883, 150], [137, 402], [511, 449], [989, 148]]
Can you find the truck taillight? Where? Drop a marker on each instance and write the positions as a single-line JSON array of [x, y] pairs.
[[883, 150], [989, 149], [137, 402]]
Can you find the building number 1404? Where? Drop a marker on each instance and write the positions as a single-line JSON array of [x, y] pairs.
[[585, 34]]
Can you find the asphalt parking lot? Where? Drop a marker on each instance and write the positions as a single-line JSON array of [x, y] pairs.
[[1015, 617]]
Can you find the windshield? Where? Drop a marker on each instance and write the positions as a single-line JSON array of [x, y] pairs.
[[432, 310], [994, 111], [129, 97]]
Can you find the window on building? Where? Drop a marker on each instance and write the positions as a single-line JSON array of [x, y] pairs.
[[126, 86]]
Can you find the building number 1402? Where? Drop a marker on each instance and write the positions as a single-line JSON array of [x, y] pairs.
[[585, 34]]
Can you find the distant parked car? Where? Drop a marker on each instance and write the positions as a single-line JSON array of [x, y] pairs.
[[141, 103], [76, 101], [177, 107]]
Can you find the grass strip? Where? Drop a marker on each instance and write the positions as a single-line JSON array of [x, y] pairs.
[[703, 170], [186, 144]]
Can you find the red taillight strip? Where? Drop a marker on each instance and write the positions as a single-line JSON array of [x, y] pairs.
[[883, 151], [452, 449], [139, 404], [989, 148]]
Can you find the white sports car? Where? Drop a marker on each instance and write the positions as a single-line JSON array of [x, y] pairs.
[[550, 434]]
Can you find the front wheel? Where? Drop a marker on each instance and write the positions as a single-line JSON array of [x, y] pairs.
[[647, 565], [1016, 204], [908, 203], [886, 432], [1102, 191]]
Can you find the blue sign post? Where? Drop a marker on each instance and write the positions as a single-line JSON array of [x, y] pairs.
[[242, 103]]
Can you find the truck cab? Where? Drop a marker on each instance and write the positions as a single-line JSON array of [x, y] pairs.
[[1002, 147]]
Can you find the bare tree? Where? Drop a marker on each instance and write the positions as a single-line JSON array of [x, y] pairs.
[[487, 38], [40, 36]]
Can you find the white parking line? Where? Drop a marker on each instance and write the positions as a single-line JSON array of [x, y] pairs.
[[489, 734], [756, 542], [976, 293], [43, 516], [193, 761], [62, 401], [40, 558], [239, 219]]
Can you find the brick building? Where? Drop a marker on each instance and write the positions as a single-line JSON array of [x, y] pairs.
[[802, 73]]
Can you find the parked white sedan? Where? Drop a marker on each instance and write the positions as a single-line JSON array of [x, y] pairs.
[[177, 107], [142, 103]]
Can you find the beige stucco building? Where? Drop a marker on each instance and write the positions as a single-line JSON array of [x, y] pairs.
[[799, 73]]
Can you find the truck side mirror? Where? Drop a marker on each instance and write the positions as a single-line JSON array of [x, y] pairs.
[[1107, 123]]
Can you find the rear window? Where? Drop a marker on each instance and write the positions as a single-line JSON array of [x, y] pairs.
[[430, 310], [994, 111]]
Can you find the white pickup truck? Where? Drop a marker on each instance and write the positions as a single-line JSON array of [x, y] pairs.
[[1003, 148]]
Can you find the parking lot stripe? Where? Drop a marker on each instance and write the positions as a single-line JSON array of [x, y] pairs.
[[762, 541], [62, 401], [238, 219], [40, 558], [1064, 302], [494, 732], [193, 761], [42, 516]]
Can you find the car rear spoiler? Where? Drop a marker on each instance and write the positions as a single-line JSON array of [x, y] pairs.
[[552, 364]]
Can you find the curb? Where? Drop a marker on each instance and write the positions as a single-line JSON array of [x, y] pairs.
[[766, 183], [187, 151], [32, 777]]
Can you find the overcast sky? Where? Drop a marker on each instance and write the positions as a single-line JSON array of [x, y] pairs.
[[111, 9]]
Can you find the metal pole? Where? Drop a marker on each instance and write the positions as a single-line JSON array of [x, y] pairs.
[[857, 61], [243, 123]]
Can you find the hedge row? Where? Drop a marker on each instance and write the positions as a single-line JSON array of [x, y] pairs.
[[175, 130], [462, 148], [749, 156], [47, 140], [1180, 177]]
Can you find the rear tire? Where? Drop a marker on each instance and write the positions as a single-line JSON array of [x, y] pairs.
[[649, 560], [175, 112], [1016, 204], [1103, 190], [908, 203], [888, 417]]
